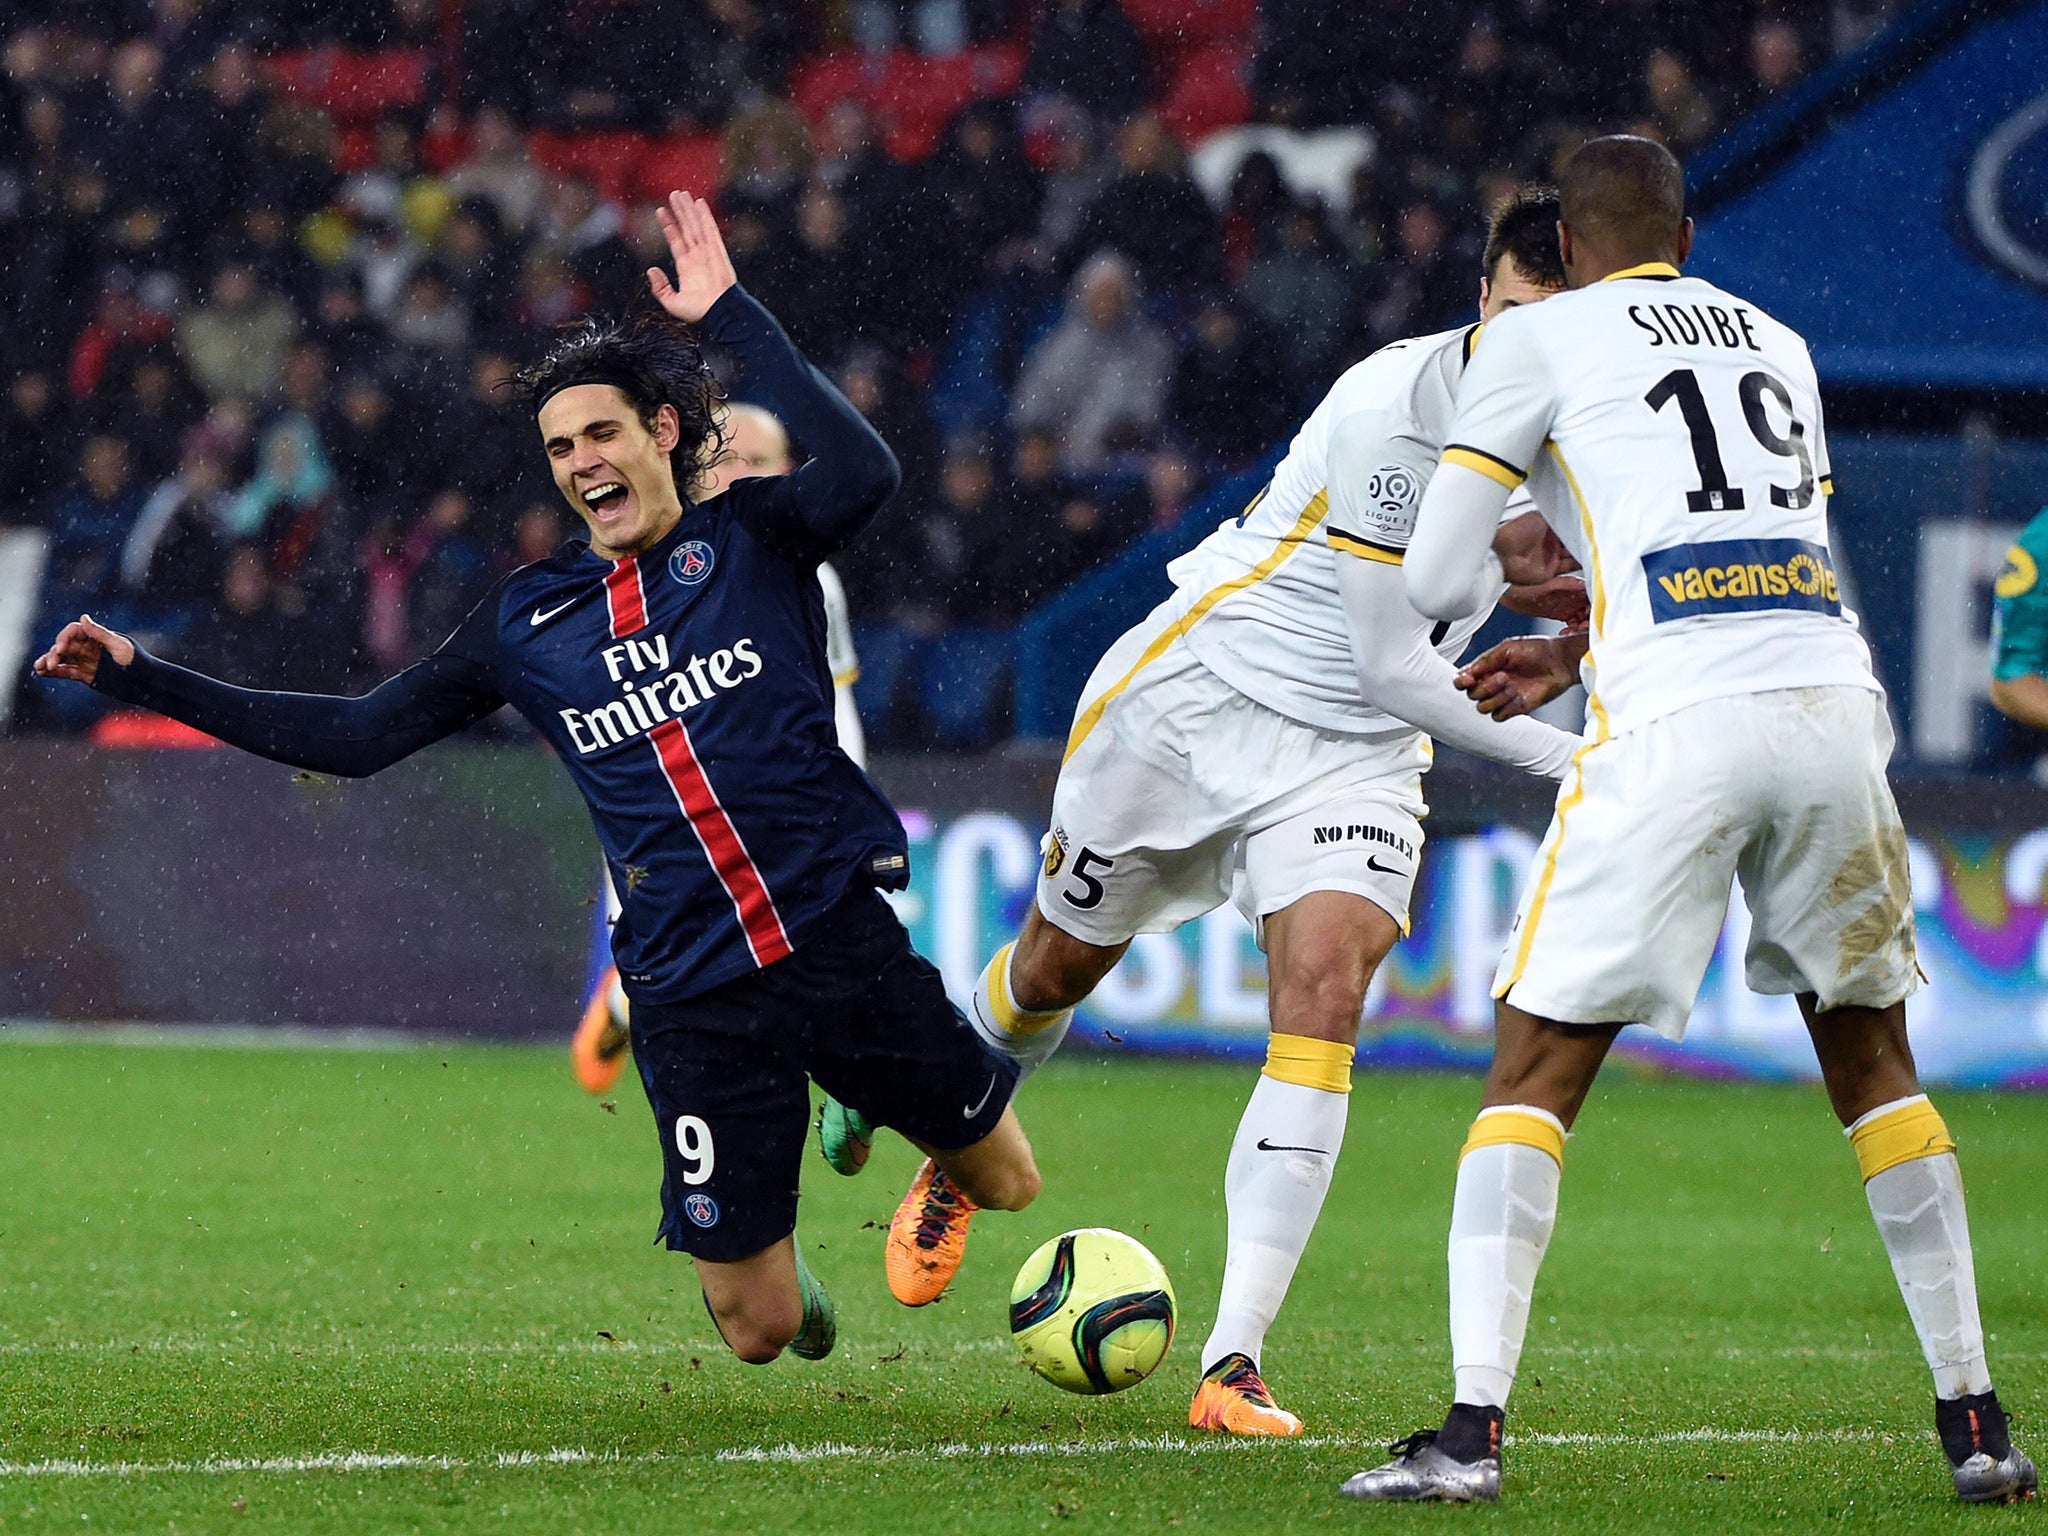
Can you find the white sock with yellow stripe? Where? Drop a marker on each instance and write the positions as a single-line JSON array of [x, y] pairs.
[[1915, 1189], [1025, 1037], [1500, 1224], [1274, 1184]]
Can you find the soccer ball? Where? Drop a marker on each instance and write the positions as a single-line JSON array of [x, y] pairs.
[[1092, 1311]]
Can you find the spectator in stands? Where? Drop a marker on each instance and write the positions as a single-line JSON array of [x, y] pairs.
[[1296, 283], [1171, 482], [1683, 113], [735, 49], [430, 323], [395, 186], [1776, 63], [241, 638], [1074, 178], [234, 343], [476, 259], [1083, 531], [498, 170], [1422, 288], [1230, 395], [151, 401], [1099, 379], [987, 194], [1153, 213], [172, 560], [88, 527], [945, 572], [1088, 52], [36, 431]]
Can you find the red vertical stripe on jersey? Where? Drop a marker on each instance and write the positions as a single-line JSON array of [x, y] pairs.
[[622, 595], [721, 840]]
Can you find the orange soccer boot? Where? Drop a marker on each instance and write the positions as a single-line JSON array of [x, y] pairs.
[[598, 1052], [927, 1237], [1233, 1400]]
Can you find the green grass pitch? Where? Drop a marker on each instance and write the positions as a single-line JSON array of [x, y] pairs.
[[271, 1290]]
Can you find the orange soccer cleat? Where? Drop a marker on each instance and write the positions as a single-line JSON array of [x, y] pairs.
[[927, 1237], [1233, 1400], [599, 1050]]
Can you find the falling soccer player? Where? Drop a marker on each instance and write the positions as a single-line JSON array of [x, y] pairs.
[[676, 663]]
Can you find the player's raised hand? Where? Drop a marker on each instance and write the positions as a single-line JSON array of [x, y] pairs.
[[1521, 675], [1562, 598], [703, 270], [75, 653]]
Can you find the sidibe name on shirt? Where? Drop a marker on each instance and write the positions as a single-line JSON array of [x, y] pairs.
[[648, 700], [1741, 576], [1695, 325]]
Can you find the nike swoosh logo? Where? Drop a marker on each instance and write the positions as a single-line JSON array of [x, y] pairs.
[[974, 1109], [539, 618], [1373, 863], [1267, 1146]]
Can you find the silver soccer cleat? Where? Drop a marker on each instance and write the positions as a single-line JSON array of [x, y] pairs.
[[1987, 1466], [1421, 1472], [1981, 1480]]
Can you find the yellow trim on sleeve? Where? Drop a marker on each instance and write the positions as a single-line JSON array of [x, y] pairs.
[[1365, 549], [1494, 469], [1324, 1064], [1511, 1125], [1318, 507], [847, 678], [1646, 269], [1914, 1129], [1827, 485]]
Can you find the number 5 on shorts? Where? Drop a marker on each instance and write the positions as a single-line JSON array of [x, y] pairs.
[[693, 1140], [1091, 888]]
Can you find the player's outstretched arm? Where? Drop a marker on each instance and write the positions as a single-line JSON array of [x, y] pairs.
[[322, 732], [851, 473], [1400, 672]]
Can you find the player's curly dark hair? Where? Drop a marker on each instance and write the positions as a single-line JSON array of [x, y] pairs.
[[653, 361], [1523, 224]]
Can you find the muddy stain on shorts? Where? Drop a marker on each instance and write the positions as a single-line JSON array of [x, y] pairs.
[[1879, 870]]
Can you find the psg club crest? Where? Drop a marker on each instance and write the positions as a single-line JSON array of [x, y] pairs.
[[690, 564], [700, 1207]]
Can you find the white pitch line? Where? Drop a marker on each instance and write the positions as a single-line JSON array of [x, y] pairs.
[[832, 1450], [789, 1453], [325, 1461]]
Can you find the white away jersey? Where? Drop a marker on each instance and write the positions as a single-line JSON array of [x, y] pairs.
[[1671, 434], [1264, 612]]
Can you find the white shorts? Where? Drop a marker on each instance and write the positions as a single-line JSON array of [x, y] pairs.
[[1784, 790], [1181, 793]]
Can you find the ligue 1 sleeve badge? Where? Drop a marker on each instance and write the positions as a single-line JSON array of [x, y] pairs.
[[691, 562]]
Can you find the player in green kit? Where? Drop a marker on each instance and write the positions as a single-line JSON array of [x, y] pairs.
[[2019, 629]]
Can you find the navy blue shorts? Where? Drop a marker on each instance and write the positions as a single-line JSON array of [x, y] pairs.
[[857, 1010]]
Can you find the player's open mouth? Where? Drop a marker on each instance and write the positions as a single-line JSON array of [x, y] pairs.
[[608, 497]]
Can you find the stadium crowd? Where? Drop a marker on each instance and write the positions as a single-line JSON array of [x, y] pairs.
[[251, 355]]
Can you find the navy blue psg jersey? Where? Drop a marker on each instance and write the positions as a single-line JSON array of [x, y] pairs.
[[687, 691], [685, 688]]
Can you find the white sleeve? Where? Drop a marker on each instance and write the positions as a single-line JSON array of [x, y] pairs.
[[1506, 402], [1376, 467], [1400, 672]]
